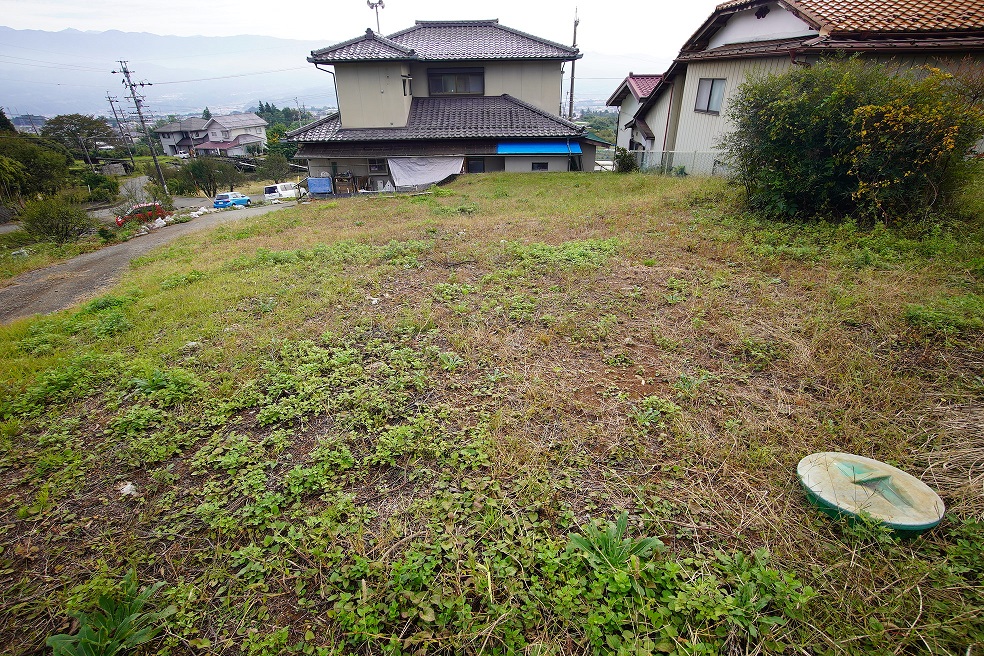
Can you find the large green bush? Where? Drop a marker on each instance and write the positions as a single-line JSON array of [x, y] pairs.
[[55, 219], [850, 138]]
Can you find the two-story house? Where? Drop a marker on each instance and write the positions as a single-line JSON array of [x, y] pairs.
[[182, 136], [440, 98], [686, 114], [231, 135], [234, 135], [628, 97]]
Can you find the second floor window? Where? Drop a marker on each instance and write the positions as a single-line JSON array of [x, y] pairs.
[[710, 94], [456, 82]]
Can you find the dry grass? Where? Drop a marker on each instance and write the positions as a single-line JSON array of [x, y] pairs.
[[552, 353]]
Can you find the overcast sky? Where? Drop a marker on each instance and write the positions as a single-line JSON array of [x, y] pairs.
[[653, 28]]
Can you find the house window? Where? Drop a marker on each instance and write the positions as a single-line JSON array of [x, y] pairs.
[[540, 166], [456, 81], [407, 85], [710, 93], [225, 134], [377, 166]]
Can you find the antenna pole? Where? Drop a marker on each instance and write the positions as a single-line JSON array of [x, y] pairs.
[[137, 99], [570, 107], [377, 6]]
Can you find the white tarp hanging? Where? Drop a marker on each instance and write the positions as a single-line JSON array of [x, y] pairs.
[[415, 171]]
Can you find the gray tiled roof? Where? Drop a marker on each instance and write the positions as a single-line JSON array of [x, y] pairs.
[[184, 125], [489, 117], [231, 121], [443, 41], [370, 46]]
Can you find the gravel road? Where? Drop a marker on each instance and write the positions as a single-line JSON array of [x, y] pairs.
[[63, 285]]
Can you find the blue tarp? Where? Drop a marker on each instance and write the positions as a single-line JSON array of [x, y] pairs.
[[539, 148], [319, 185]]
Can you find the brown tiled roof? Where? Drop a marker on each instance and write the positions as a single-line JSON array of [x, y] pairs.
[[240, 140], [639, 85], [445, 41], [884, 15], [482, 117], [643, 85], [749, 49]]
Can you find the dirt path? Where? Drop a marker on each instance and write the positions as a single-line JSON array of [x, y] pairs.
[[63, 285]]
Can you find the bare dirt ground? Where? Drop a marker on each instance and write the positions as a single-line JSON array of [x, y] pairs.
[[63, 285]]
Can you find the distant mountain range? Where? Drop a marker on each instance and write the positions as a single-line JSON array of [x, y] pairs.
[[69, 71]]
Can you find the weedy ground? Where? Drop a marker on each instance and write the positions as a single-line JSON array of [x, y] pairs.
[[374, 425]]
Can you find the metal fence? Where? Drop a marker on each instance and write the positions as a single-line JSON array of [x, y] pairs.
[[668, 162], [676, 162]]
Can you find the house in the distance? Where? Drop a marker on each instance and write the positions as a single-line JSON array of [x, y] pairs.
[[686, 113], [234, 135], [628, 97], [182, 136], [440, 98], [31, 123]]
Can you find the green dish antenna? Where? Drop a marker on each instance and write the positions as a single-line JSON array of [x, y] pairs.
[[846, 485]]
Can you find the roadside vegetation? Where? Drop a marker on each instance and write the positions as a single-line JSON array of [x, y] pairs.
[[544, 414]]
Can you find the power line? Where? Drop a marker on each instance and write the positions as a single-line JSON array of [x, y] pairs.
[[226, 77], [52, 84], [51, 64]]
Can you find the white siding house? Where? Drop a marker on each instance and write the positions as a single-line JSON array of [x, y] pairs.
[[628, 97], [687, 111]]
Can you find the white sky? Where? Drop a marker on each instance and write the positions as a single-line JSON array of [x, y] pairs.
[[653, 27]]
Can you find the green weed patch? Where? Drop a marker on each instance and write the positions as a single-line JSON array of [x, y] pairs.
[[565, 422]]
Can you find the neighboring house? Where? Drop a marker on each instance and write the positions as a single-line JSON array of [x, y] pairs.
[[686, 113], [234, 135], [220, 135], [29, 123], [181, 136], [628, 97], [440, 98]]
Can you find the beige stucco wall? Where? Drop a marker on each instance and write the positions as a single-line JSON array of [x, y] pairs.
[[525, 164], [371, 95], [536, 82]]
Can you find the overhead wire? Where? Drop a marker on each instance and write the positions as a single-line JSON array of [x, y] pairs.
[[226, 77], [38, 63]]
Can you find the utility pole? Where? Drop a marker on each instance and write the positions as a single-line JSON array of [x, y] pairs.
[[570, 107], [137, 99], [85, 153], [119, 126]]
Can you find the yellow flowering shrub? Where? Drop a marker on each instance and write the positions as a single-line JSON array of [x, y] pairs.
[[848, 138]]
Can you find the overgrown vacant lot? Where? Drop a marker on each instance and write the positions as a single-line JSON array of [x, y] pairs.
[[373, 426]]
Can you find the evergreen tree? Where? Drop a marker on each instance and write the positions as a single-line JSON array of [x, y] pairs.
[[5, 124], [206, 114]]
